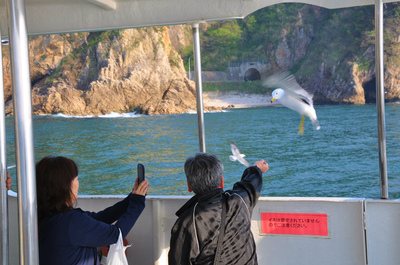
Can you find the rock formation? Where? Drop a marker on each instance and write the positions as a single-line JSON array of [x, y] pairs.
[[114, 71], [338, 68]]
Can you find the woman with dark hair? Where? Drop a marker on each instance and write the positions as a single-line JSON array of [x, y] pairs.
[[69, 235]]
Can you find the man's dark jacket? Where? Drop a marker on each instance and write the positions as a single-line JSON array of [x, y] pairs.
[[194, 236]]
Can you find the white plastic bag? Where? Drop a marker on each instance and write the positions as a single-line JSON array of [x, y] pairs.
[[116, 254]]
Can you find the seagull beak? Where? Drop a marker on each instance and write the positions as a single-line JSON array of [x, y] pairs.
[[272, 100]]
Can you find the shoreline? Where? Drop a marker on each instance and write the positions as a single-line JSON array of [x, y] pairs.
[[235, 100]]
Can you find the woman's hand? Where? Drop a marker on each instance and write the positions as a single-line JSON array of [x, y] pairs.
[[262, 165], [142, 188]]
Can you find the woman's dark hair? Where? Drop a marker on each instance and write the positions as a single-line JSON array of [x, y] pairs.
[[54, 176]]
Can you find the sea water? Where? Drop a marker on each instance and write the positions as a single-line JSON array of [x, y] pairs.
[[339, 160]]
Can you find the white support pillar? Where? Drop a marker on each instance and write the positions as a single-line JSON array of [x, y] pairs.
[[4, 249], [380, 97], [24, 149], [159, 253]]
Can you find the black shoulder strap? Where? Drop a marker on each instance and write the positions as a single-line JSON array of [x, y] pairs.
[[221, 231]]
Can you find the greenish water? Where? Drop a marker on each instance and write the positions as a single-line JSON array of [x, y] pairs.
[[340, 160]]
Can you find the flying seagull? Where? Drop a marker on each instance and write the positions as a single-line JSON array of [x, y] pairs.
[[291, 95], [236, 155]]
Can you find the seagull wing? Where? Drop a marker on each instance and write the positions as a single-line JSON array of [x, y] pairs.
[[236, 153], [288, 82]]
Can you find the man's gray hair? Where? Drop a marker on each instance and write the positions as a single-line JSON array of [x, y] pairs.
[[203, 172]]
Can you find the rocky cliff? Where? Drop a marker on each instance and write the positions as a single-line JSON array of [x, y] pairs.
[[115, 71], [330, 51], [333, 55]]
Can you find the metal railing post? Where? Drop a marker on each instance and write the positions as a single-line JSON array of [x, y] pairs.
[[24, 148], [380, 97], [4, 250], [199, 88]]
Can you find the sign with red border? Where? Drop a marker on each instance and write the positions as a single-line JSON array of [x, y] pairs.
[[310, 224]]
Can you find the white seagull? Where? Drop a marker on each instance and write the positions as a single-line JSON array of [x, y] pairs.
[[236, 155], [291, 95]]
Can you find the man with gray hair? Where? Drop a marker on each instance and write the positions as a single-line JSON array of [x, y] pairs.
[[214, 226]]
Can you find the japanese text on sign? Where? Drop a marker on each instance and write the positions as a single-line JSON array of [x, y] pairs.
[[312, 224]]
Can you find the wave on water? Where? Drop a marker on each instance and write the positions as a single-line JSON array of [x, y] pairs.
[[61, 115], [121, 115], [118, 115], [211, 111], [110, 115], [191, 112]]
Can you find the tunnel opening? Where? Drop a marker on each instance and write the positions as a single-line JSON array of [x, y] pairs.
[[370, 91], [251, 75]]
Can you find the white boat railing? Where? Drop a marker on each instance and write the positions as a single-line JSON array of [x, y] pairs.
[[358, 231]]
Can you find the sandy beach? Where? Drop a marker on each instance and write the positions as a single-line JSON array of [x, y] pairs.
[[235, 100]]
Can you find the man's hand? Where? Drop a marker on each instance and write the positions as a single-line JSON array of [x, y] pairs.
[[8, 181], [262, 165]]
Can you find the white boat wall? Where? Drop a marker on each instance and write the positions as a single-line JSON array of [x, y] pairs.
[[287, 230], [359, 231]]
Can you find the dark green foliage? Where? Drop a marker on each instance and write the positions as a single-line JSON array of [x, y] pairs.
[[253, 37], [340, 41], [174, 60], [391, 36], [340, 37], [221, 43]]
